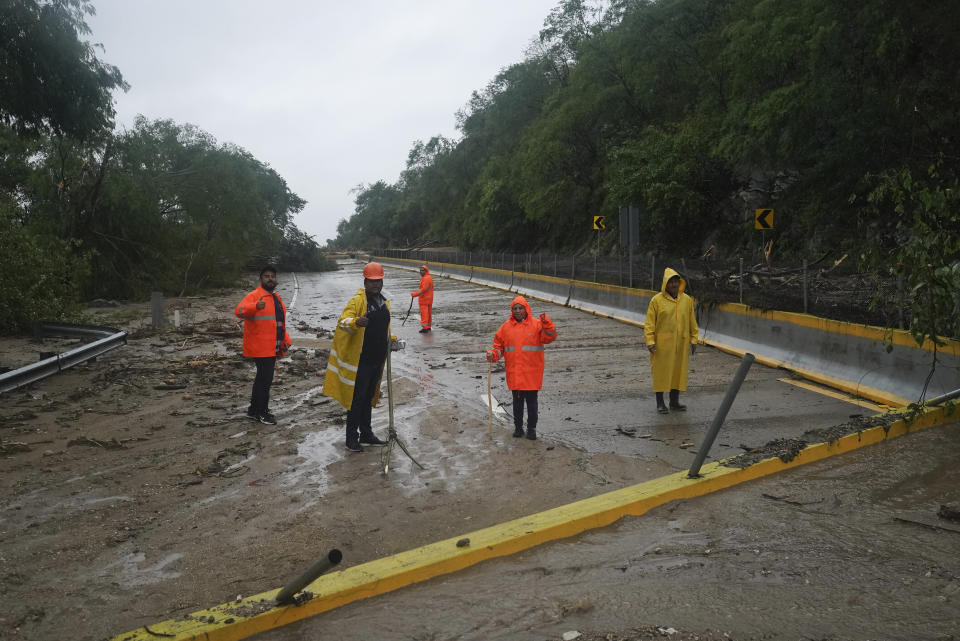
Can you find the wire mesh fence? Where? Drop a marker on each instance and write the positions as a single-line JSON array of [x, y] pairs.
[[831, 289]]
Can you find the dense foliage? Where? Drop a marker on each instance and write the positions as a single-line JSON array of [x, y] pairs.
[[88, 212], [843, 116]]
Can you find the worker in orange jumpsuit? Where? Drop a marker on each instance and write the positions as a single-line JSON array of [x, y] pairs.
[[425, 292], [265, 339], [520, 341]]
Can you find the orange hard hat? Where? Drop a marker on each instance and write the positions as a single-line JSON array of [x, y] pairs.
[[373, 271]]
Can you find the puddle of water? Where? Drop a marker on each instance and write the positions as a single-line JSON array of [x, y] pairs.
[[39, 511], [94, 501], [129, 570]]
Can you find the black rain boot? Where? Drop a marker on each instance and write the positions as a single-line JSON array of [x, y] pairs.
[[675, 401], [353, 440], [517, 431], [661, 406], [367, 437]]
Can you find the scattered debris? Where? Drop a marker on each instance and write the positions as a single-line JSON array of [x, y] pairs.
[[786, 449], [112, 444], [928, 522], [786, 500], [948, 512], [9, 447]]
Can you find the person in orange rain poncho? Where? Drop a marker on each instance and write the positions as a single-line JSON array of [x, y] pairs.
[[670, 326], [520, 341], [425, 292]]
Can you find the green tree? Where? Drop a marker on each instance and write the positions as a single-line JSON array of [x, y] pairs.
[[925, 227], [49, 275], [50, 79]]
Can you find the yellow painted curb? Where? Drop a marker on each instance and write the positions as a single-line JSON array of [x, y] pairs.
[[846, 398], [232, 621]]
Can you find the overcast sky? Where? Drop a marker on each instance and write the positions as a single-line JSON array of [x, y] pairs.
[[329, 94]]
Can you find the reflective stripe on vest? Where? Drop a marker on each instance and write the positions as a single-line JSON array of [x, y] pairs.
[[509, 348], [346, 366], [271, 317], [532, 348], [345, 381], [335, 364]]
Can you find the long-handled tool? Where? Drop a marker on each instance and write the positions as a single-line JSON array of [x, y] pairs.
[[408, 313], [490, 399], [392, 433]]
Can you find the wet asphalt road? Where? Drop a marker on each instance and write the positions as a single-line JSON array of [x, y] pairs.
[[597, 379]]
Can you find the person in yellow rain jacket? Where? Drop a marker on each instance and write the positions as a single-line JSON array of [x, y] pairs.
[[670, 326], [357, 357]]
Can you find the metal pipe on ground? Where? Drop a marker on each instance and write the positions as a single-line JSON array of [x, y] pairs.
[[949, 396], [721, 414], [309, 575]]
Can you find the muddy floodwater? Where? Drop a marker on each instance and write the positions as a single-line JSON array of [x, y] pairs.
[[135, 490]]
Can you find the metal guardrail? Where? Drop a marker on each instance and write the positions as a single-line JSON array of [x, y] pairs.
[[103, 339]]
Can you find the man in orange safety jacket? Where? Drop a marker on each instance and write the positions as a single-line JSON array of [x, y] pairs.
[[425, 292], [520, 341], [265, 339]]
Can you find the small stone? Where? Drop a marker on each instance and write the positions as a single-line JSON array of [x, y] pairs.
[[571, 635], [462, 543]]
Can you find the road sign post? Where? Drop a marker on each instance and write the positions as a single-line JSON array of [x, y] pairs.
[[599, 224]]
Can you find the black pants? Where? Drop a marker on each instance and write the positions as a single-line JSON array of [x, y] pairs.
[[530, 396], [358, 416], [260, 398]]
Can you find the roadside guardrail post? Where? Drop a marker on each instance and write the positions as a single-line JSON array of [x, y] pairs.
[[804, 285], [741, 279], [308, 576], [156, 310], [721, 414]]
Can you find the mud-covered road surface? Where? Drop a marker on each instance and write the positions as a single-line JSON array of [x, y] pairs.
[[845, 549], [135, 489]]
